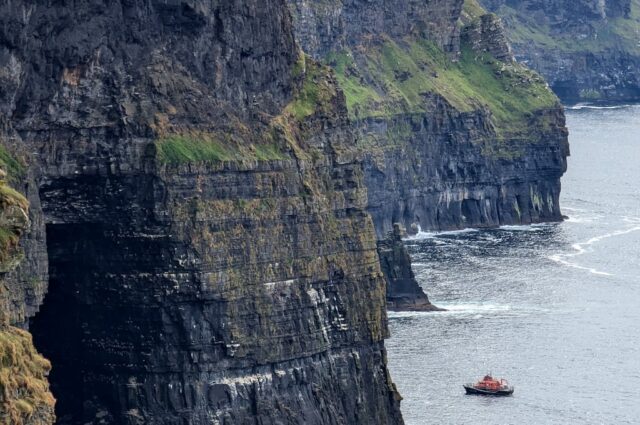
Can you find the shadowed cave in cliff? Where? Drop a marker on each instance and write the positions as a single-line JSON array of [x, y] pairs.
[[58, 329], [87, 327]]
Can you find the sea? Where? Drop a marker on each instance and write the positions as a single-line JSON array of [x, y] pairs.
[[553, 308]]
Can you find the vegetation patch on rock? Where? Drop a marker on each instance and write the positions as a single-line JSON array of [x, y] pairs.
[[199, 147], [24, 390], [399, 77]]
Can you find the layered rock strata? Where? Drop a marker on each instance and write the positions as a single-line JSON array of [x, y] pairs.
[[210, 256], [588, 50], [454, 133], [403, 290]]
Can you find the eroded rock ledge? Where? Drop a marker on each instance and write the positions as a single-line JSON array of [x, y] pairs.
[[403, 290]]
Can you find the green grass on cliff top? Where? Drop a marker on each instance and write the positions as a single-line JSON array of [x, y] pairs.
[[618, 33], [471, 9], [9, 236], [400, 76]]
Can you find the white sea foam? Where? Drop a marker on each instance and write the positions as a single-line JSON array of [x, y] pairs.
[[577, 219], [524, 228], [421, 235], [584, 247], [581, 106], [474, 308], [477, 310], [580, 215]]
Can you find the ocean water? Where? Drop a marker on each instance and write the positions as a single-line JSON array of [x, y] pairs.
[[553, 308]]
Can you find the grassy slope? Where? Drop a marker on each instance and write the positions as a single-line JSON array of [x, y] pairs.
[[198, 147], [395, 77], [10, 199], [618, 33], [401, 76]]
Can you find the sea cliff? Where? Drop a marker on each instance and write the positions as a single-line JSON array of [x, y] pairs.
[[210, 258], [454, 132], [196, 204], [588, 50]]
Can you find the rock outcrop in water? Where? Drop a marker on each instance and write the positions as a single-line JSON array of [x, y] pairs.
[[454, 133], [210, 256], [403, 290], [588, 50]]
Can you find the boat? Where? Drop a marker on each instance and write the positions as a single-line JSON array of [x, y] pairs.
[[490, 386]]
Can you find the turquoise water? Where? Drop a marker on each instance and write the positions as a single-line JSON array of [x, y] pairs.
[[553, 308]]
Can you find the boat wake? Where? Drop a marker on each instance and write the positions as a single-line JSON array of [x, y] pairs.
[[584, 247]]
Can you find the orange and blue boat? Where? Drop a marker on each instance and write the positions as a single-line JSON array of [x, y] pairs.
[[490, 386]]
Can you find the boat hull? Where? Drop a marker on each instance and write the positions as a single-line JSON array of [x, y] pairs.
[[470, 389]]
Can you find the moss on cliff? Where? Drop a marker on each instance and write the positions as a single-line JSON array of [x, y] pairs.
[[619, 33], [24, 390], [315, 94], [13, 219], [199, 147], [471, 10], [12, 166], [315, 90], [396, 77]]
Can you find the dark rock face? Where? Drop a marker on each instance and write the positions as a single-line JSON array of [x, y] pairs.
[[223, 317], [438, 162], [439, 177], [587, 49], [403, 291], [560, 15], [210, 256], [325, 26], [486, 34]]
